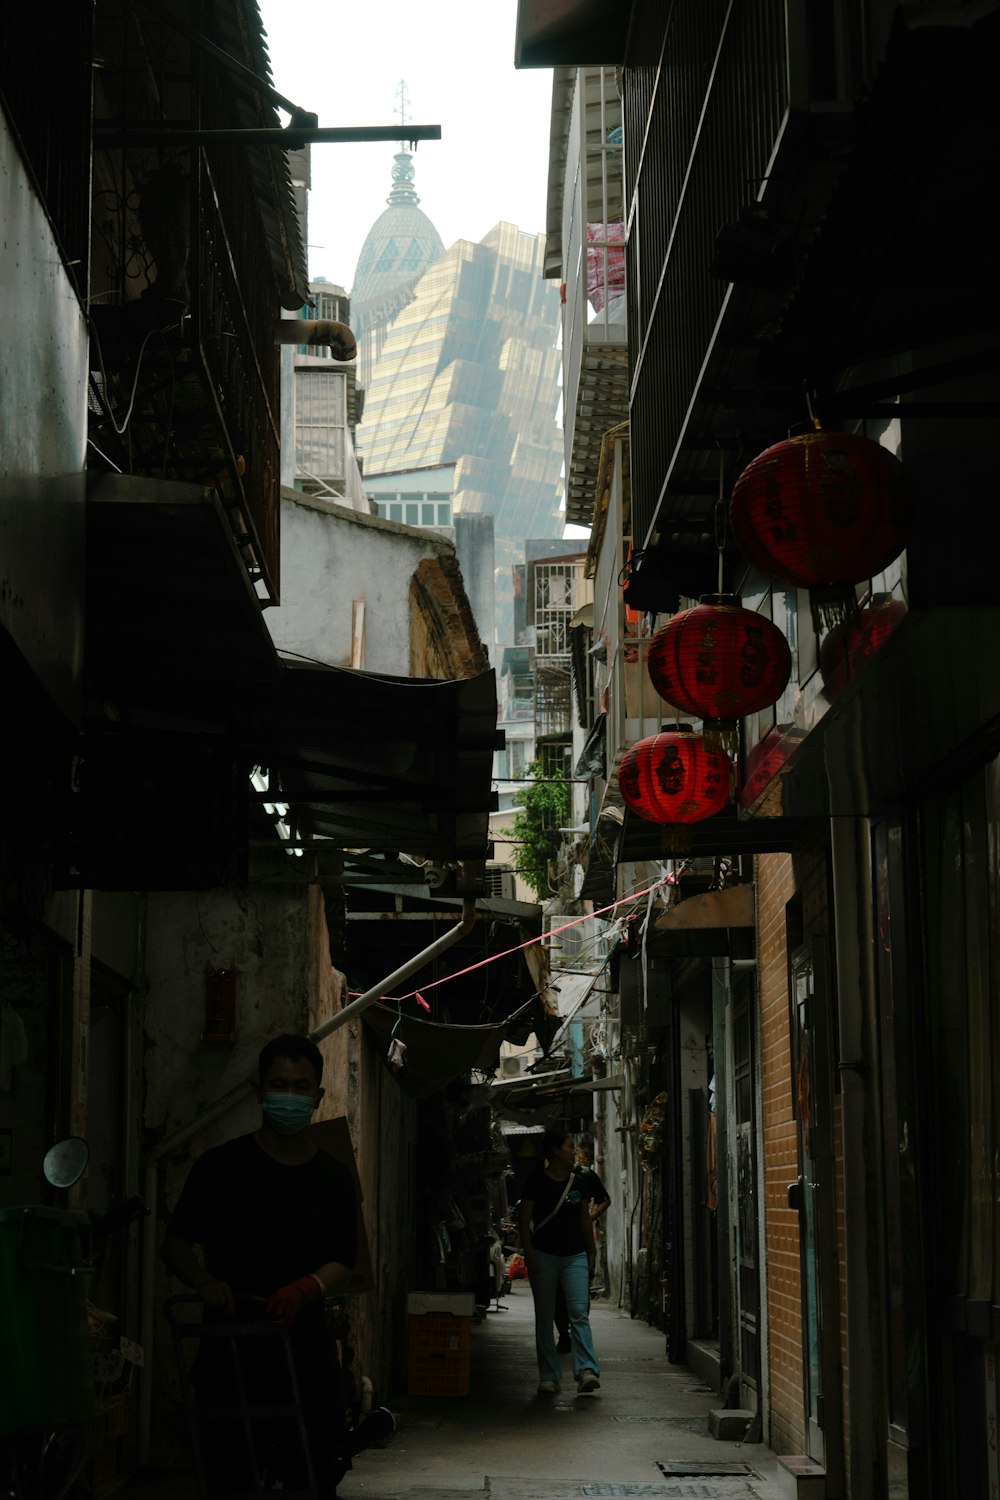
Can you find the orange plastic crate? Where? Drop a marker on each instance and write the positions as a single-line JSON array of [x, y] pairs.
[[439, 1355]]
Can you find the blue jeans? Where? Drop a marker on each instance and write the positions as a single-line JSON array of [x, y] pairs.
[[571, 1272]]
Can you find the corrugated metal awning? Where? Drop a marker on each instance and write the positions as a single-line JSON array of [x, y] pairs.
[[181, 672]]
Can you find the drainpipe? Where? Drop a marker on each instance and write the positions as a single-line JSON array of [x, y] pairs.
[[337, 337], [214, 1112]]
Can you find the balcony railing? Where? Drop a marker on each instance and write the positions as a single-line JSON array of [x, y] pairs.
[[45, 93], [595, 355], [236, 314], [702, 124], [184, 293]]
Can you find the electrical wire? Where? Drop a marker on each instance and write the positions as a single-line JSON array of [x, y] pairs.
[[101, 454], [121, 431]]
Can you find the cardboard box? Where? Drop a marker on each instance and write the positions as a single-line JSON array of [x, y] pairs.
[[334, 1137]]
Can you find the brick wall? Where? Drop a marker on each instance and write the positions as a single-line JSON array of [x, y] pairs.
[[792, 904], [817, 919], [838, 1135], [775, 888]]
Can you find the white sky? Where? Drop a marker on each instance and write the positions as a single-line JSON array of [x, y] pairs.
[[345, 61]]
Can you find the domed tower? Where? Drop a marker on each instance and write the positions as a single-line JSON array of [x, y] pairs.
[[399, 248]]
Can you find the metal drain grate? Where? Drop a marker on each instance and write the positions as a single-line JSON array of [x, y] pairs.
[[692, 1470], [695, 1491]]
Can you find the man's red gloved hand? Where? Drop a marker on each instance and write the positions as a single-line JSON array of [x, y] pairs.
[[288, 1301]]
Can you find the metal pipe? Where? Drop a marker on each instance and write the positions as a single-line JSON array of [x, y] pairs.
[[214, 1112], [336, 336], [292, 138], [441, 945]]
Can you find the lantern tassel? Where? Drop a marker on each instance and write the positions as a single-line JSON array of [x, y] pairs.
[[675, 839], [722, 735], [837, 604]]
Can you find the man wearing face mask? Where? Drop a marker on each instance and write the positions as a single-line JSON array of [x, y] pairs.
[[275, 1220]]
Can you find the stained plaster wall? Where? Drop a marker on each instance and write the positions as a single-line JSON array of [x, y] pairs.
[[275, 938], [385, 1121], [382, 1124]]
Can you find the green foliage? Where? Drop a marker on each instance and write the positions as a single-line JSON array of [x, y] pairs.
[[543, 808]]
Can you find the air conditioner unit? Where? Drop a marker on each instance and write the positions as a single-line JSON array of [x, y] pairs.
[[500, 882], [510, 1067]]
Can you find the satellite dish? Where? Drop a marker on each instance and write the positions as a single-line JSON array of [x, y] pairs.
[[66, 1161]]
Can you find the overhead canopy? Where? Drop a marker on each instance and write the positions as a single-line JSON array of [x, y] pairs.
[[554, 33], [386, 762], [922, 708], [528, 1099], [642, 841], [183, 681], [435, 1054]]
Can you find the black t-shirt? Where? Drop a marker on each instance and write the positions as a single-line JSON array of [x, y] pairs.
[[592, 1187], [563, 1234], [261, 1223]]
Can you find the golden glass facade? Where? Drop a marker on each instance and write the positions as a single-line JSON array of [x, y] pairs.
[[468, 374]]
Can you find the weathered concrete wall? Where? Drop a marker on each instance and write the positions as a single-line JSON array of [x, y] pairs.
[[381, 1121], [277, 940], [333, 557], [382, 1124], [274, 938], [386, 1120], [695, 1023], [617, 1173], [43, 435], [476, 554]]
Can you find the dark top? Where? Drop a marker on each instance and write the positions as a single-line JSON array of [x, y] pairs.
[[261, 1223], [592, 1187], [563, 1234]]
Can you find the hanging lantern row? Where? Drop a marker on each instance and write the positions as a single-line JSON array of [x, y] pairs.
[[823, 511], [673, 777], [720, 662], [849, 646]]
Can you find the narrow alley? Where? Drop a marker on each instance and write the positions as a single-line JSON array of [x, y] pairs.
[[534, 704], [505, 1442]]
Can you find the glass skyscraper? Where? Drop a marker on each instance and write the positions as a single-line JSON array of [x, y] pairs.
[[466, 381]]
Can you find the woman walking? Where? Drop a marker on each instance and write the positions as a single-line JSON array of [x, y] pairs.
[[557, 1238]]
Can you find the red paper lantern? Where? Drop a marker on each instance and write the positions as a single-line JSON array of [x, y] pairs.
[[672, 777], [823, 511], [721, 662], [850, 645]]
